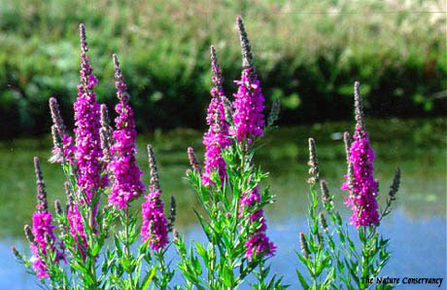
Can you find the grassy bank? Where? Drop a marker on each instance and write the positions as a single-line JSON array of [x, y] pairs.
[[308, 53]]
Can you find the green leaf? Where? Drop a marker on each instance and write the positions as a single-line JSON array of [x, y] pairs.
[[148, 279], [302, 280]]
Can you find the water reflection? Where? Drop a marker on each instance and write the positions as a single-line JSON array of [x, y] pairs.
[[417, 228]]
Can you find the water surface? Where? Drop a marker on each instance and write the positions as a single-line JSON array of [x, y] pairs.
[[417, 226]]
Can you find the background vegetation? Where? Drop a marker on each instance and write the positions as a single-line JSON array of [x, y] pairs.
[[308, 53]]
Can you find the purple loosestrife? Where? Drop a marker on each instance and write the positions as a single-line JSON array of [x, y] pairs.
[[193, 161], [360, 183], [126, 174], [105, 133], [75, 221], [87, 124], [155, 225], [217, 137], [248, 120], [248, 101], [258, 242], [44, 240], [63, 148]]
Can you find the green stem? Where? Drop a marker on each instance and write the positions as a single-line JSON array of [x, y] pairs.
[[127, 245]]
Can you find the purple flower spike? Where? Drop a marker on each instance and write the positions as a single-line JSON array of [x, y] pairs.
[[360, 183], [258, 242], [127, 183], [88, 152], [217, 137], [155, 225], [248, 101], [77, 227], [44, 239], [248, 108]]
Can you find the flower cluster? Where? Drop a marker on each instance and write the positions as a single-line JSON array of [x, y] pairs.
[[248, 108], [258, 242], [360, 183], [44, 240], [217, 138], [248, 102], [87, 124], [127, 183], [155, 224]]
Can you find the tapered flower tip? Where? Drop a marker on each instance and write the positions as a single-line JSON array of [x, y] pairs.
[[175, 234], [37, 169], [216, 78], [115, 60], [304, 246], [323, 222], [56, 115], [41, 193], [314, 171], [28, 233], [58, 207], [358, 104], [83, 37], [104, 113], [155, 182], [193, 161], [347, 140], [119, 80], [247, 55], [274, 112], [15, 252], [325, 191], [395, 185]]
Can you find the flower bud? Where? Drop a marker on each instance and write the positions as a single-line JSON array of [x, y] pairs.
[[29, 234], [193, 160], [314, 171], [304, 246]]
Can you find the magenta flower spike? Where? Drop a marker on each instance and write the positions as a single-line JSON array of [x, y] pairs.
[[42, 230], [88, 151], [126, 174], [360, 183], [217, 138], [258, 242], [248, 102], [77, 228], [155, 224]]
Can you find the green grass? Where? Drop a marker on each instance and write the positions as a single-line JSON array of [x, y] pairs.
[[308, 53]]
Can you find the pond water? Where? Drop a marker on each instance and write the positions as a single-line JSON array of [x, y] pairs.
[[416, 227]]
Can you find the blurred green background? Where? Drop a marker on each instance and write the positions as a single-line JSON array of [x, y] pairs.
[[308, 53]]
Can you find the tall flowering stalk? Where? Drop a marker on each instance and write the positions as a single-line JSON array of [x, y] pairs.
[[349, 264], [315, 254], [44, 245], [360, 183], [217, 138], [85, 224], [248, 101], [233, 217], [87, 124], [155, 225], [248, 124], [126, 184]]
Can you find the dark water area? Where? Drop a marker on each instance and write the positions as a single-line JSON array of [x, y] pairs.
[[416, 227]]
